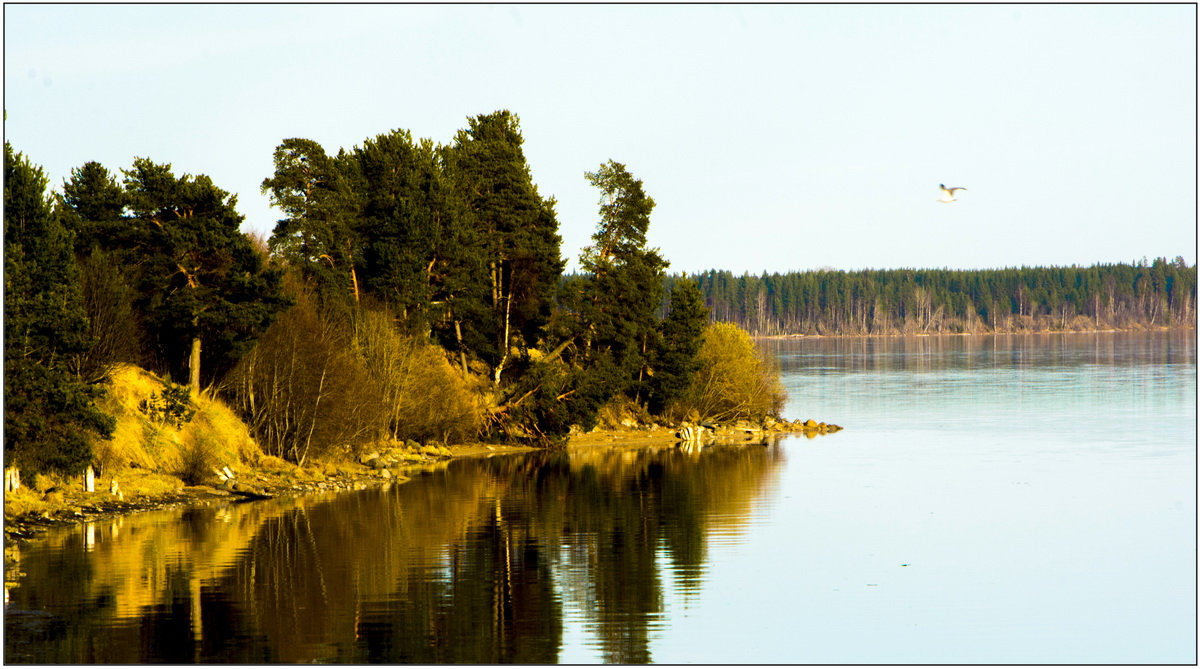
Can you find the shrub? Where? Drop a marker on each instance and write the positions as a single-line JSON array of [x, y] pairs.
[[172, 406], [735, 380]]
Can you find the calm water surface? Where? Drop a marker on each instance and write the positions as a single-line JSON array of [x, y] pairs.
[[992, 500]]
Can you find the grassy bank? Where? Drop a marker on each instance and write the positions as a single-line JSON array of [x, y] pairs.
[[166, 451]]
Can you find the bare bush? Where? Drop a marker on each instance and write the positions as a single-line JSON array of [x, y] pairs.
[[300, 389], [424, 396]]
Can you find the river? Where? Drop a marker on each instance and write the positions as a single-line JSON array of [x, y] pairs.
[[1007, 499]]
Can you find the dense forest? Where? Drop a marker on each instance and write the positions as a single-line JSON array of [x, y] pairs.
[[412, 291], [908, 301]]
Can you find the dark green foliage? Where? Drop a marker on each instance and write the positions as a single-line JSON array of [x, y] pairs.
[[320, 235], [172, 407], [674, 361], [95, 206], [1142, 294], [49, 415], [201, 278], [455, 240], [605, 337], [518, 237], [168, 273], [623, 288], [49, 418]]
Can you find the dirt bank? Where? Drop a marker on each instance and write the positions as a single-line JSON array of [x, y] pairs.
[[40, 505]]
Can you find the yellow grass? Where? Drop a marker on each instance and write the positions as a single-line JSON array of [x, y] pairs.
[[214, 437]]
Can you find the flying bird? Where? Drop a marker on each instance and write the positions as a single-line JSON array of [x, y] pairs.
[[948, 193]]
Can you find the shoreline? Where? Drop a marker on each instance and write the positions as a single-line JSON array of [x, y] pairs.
[[28, 514]]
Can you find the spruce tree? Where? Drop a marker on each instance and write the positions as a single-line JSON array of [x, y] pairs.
[[49, 415], [93, 206], [674, 361]]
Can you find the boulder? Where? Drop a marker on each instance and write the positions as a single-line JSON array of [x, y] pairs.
[[366, 459]]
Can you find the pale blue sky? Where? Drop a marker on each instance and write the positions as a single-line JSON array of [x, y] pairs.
[[773, 137]]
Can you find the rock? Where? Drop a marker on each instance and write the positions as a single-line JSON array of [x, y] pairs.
[[385, 473], [377, 463], [366, 459], [810, 423], [12, 479], [250, 492]]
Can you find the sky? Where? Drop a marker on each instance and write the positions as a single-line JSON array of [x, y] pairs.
[[772, 137]]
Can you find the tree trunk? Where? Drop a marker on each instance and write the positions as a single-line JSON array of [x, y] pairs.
[[194, 367], [462, 352]]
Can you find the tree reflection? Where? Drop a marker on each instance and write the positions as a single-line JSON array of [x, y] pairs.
[[480, 563]]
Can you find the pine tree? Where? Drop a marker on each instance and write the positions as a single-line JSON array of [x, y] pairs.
[[321, 233], [203, 284], [518, 237], [622, 293], [49, 415]]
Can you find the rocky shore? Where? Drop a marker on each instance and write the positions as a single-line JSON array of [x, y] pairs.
[[29, 510]]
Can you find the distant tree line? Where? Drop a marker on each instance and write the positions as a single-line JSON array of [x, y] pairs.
[[904, 301]]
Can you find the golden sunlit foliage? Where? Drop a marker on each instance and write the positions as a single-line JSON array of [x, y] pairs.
[[423, 396], [211, 436], [736, 381]]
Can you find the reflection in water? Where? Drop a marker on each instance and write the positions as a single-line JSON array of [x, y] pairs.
[[479, 563], [1008, 351]]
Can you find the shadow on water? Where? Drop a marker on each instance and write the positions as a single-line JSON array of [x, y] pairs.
[[478, 563]]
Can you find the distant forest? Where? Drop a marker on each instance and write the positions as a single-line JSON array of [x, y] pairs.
[[1140, 295]]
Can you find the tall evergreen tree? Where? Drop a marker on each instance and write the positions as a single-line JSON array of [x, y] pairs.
[[203, 283], [320, 233], [93, 206], [674, 361], [518, 234], [49, 415], [622, 294], [95, 202]]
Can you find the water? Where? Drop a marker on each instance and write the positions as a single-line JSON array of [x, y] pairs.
[[991, 500]]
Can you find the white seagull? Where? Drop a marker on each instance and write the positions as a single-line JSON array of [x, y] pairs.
[[948, 193]]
